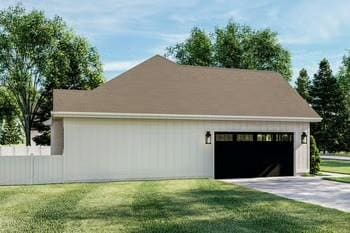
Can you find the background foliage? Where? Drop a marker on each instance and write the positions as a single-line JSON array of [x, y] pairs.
[[38, 54], [234, 46]]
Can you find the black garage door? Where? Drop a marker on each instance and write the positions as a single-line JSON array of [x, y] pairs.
[[244, 155]]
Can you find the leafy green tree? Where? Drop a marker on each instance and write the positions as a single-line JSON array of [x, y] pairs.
[[196, 50], [303, 85], [314, 157], [228, 45], [264, 52], [73, 65], [235, 46], [38, 54], [12, 133], [6, 106], [329, 102], [8, 109]]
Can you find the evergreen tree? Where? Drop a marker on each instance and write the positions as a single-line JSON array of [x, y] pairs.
[[11, 133], [329, 102], [303, 85], [343, 77], [314, 157]]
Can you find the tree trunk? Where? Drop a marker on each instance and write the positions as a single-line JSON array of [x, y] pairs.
[[27, 130]]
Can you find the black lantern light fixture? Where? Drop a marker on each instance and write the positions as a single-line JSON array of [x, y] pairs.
[[303, 138], [208, 138]]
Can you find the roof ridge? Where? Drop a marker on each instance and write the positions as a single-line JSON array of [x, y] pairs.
[[134, 67], [226, 68], [71, 90]]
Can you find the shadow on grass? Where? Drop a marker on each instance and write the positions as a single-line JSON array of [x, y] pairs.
[[54, 210], [205, 206]]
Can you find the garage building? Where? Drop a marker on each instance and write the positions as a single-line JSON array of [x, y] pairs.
[[161, 120]]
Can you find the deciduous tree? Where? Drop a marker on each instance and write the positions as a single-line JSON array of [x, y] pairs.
[[38, 54], [234, 46], [196, 50]]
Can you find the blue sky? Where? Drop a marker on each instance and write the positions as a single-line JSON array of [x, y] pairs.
[[127, 32]]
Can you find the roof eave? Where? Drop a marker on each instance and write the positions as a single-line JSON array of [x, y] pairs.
[[57, 114]]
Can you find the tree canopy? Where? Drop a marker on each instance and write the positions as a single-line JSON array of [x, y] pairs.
[[303, 85], [329, 102], [196, 50], [343, 77], [234, 46], [38, 54]]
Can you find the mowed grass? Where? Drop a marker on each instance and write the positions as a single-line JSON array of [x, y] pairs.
[[339, 179], [159, 206], [336, 166]]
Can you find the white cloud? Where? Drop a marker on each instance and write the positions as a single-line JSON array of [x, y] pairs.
[[118, 66], [314, 21]]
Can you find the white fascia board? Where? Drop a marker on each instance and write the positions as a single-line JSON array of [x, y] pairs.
[[179, 116]]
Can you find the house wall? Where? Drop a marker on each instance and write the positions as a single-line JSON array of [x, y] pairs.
[[117, 149], [57, 137]]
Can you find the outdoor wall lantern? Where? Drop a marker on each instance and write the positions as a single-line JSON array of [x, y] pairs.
[[208, 138], [303, 138]]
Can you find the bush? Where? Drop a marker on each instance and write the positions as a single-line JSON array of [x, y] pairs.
[[314, 157], [12, 133]]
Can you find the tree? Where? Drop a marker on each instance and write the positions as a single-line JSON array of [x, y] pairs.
[[8, 109], [329, 102], [73, 65], [38, 54], [12, 133], [196, 50], [314, 157], [236, 46], [303, 85], [6, 106], [343, 77], [228, 45], [262, 51]]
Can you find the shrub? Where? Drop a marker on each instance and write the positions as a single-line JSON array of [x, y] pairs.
[[314, 157], [11, 133]]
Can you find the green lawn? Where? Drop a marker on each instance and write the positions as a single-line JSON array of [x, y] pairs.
[[346, 154], [339, 179], [160, 206], [336, 166]]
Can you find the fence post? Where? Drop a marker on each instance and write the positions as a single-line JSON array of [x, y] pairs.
[[13, 150], [0, 150], [32, 166]]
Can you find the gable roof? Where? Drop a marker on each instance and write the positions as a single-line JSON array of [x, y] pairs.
[[160, 86]]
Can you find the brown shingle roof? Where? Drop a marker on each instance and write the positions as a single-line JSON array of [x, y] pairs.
[[159, 86]]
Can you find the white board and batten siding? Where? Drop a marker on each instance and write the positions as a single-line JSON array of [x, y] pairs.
[[16, 170], [126, 149]]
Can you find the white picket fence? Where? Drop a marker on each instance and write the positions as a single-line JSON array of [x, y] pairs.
[[24, 150], [29, 165]]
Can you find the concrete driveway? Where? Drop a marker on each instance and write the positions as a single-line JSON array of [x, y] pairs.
[[306, 189]]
